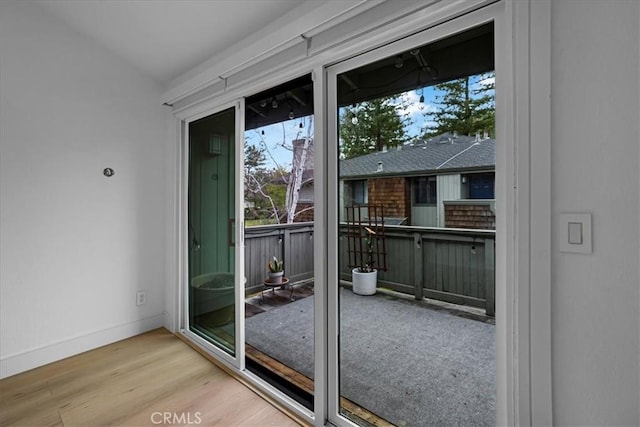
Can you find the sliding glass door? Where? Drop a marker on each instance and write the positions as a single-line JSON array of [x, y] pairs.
[[214, 229], [413, 280], [344, 173]]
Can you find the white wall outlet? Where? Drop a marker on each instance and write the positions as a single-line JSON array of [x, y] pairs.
[[141, 298]]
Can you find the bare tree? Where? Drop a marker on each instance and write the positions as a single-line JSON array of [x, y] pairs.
[[258, 187], [298, 163], [257, 179], [278, 187]]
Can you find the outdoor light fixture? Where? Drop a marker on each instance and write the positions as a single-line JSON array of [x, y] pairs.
[[215, 145]]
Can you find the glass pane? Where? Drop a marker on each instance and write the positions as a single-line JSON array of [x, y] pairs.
[[279, 215], [212, 228], [416, 261]]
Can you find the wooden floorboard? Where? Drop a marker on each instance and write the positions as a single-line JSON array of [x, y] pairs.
[[127, 382]]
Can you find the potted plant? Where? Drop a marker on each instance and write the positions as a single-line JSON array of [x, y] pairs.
[[275, 270], [365, 277]]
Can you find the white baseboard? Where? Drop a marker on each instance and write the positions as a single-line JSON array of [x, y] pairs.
[[24, 361]]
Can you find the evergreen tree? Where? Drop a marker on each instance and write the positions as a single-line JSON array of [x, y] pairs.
[[370, 125], [466, 106], [254, 158]]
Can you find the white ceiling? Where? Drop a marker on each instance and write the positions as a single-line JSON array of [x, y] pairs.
[[166, 38]]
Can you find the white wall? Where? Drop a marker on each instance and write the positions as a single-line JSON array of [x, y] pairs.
[[595, 162], [76, 246]]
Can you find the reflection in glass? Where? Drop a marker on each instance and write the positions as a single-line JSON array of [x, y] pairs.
[[211, 228]]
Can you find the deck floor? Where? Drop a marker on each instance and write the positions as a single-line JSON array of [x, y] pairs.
[[256, 304], [283, 367]]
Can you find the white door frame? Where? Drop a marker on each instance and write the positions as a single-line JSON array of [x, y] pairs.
[[525, 350]]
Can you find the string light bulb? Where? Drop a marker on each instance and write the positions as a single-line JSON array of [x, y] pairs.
[[354, 114], [291, 115], [274, 104]]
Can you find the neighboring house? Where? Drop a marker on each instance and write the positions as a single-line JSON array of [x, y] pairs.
[[304, 209], [444, 181]]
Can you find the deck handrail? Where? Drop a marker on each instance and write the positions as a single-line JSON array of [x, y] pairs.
[[453, 265]]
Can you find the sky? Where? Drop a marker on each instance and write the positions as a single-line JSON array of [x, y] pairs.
[[287, 131], [277, 138]]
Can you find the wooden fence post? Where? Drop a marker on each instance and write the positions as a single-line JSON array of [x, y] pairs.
[[417, 266], [489, 276], [286, 254]]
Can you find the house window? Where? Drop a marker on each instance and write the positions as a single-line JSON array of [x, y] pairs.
[[425, 191], [358, 191], [481, 186]]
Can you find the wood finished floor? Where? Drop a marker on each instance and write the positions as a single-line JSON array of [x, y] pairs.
[[125, 383]]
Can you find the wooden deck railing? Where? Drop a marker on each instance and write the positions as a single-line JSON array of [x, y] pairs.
[[453, 265], [292, 243]]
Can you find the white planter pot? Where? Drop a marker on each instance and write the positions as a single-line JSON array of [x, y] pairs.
[[364, 283]]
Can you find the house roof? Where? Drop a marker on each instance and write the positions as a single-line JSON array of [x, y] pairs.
[[445, 152]]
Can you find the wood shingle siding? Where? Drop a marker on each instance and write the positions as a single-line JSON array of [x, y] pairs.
[[394, 194], [465, 215]]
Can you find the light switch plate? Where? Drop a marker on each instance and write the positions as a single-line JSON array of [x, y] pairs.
[[574, 233]]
